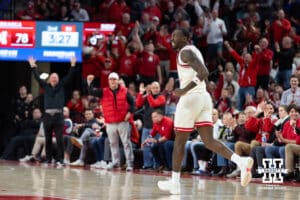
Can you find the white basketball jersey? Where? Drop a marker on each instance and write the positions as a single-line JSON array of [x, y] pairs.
[[186, 73]]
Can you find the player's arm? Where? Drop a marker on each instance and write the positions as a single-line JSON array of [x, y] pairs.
[[33, 65], [189, 57]]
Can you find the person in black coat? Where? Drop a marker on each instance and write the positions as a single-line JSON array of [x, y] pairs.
[[54, 100], [26, 136]]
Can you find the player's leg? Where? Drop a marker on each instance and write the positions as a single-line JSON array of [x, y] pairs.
[[173, 185], [244, 163], [184, 125], [178, 151]]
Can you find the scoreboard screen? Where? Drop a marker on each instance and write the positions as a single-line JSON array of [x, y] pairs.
[[45, 41], [59, 40], [49, 41], [17, 34]]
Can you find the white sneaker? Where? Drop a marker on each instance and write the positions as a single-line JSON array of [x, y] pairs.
[[77, 142], [96, 165], [26, 158], [77, 163], [129, 169], [246, 166], [103, 164], [66, 162], [59, 164], [110, 166], [169, 186]]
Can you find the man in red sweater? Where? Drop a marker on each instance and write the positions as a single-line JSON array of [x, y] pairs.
[[149, 68], [150, 100], [280, 27], [128, 65], [264, 59], [247, 74], [161, 140], [125, 27]]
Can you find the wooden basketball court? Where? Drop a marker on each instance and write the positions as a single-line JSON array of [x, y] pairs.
[[31, 181]]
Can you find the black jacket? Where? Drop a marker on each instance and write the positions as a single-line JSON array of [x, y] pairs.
[[54, 97]]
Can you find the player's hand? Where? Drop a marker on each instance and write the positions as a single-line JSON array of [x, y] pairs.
[[142, 88], [73, 61], [279, 23], [32, 62], [264, 144], [127, 117], [221, 27], [293, 123], [226, 43], [257, 48], [179, 92], [90, 79]]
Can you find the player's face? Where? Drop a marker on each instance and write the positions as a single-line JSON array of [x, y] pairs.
[[113, 83], [155, 88], [53, 79], [37, 114], [227, 119], [294, 82], [177, 40], [156, 118], [269, 109], [215, 116], [66, 112], [294, 114], [282, 112], [89, 115], [76, 95], [242, 119]]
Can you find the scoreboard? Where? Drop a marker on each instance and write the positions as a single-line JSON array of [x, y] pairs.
[[18, 34], [58, 41], [49, 41], [45, 41]]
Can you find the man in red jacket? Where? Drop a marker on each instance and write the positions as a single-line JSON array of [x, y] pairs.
[[247, 74], [118, 106]]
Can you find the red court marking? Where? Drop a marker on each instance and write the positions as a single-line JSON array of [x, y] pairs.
[[14, 197], [151, 173]]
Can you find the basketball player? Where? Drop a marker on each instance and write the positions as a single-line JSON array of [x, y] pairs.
[[194, 109]]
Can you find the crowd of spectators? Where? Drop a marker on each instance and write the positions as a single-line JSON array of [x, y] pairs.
[[251, 48]]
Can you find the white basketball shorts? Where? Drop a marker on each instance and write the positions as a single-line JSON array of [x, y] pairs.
[[193, 110]]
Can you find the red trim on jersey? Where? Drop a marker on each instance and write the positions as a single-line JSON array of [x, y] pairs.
[[205, 123], [184, 66], [183, 129]]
